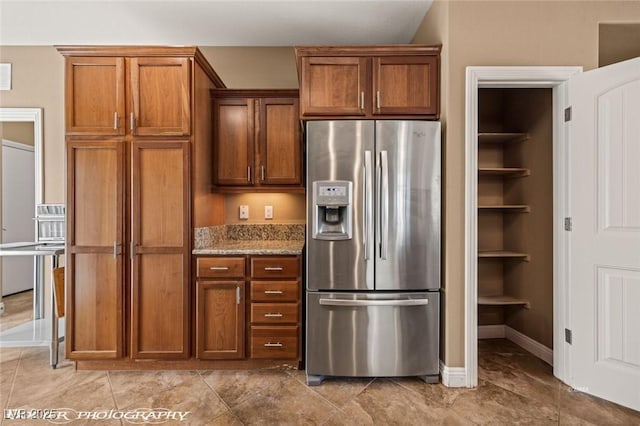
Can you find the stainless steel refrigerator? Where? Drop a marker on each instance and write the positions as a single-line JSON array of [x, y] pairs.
[[373, 249]]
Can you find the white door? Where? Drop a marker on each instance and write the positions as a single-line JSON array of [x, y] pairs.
[[18, 210], [604, 287]]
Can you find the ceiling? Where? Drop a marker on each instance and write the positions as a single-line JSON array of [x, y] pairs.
[[210, 23]]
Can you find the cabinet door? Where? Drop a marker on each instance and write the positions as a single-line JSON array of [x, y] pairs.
[[160, 231], [334, 86], [405, 85], [95, 96], [220, 319], [160, 96], [233, 141], [95, 279], [280, 153]]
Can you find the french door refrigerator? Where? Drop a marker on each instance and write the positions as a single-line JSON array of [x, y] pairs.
[[372, 249]]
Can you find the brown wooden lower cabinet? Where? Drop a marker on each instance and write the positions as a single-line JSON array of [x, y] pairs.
[[267, 322], [220, 319]]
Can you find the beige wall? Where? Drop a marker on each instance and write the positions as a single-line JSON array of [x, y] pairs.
[[500, 33], [287, 208], [17, 132], [254, 67], [38, 82], [618, 42]]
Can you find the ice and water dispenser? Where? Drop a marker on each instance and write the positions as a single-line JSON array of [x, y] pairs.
[[332, 210]]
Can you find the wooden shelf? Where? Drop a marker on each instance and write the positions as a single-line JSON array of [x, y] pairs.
[[502, 137], [518, 208], [504, 171], [502, 254], [502, 301]]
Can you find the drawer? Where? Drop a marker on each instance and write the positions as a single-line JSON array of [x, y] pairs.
[[278, 342], [275, 291], [275, 313], [275, 267], [220, 267]]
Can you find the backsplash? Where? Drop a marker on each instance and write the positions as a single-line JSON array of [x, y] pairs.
[[210, 235]]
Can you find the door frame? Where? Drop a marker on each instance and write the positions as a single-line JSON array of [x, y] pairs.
[[517, 77]]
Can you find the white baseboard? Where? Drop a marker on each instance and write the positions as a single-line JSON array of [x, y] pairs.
[[453, 377], [525, 342], [492, 331]]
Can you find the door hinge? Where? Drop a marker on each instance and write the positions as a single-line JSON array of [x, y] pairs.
[[568, 224], [567, 336], [567, 114]]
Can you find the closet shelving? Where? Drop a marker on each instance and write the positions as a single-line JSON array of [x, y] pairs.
[[494, 171]]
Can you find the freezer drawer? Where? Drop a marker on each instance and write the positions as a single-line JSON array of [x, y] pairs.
[[372, 334]]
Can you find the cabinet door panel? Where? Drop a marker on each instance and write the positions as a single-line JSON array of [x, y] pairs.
[[160, 96], [161, 189], [160, 228], [94, 306], [95, 96], [95, 278], [280, 144], [405, 85], [159, 306], [220, 319], [333, 86], [96, 185], [233, 141]]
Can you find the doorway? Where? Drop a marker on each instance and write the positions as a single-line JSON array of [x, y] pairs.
[[18, 207], [511, 78], [21, 121]]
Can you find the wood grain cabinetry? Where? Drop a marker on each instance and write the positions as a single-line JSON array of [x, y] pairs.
[[220, 302], [275, 307], [134, 115], [154, 101], [257, 141], [95, 253], [399, 81]]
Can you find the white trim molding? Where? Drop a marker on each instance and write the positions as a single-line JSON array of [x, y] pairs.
[[514, 77], [453, 377]]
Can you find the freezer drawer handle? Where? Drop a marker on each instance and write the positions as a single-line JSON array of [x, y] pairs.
[[219, 268], [273, 292], [273, 345], [274, 268], [392, 302], [276, 315]]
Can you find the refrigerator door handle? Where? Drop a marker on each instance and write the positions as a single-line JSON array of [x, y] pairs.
[[387, 302], [384, 205], [367, 236]]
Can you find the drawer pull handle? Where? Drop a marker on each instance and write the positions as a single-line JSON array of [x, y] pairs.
[[273, 292], [274, 268], [219, 268], [273, 315], [273, 345]]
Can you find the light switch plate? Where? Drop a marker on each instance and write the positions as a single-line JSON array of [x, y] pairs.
[[244, 211], [268, 212]]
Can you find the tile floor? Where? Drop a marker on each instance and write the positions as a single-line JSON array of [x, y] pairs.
[[514, 388]]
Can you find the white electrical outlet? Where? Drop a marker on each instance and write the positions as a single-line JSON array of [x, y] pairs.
[[244, 211], [268, 212]]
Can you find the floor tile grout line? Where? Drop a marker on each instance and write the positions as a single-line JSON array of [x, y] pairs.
[[217, 394], [13, 381]]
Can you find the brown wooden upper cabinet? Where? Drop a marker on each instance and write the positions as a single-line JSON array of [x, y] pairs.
[[257, 140], [400, 81], [156, 103]]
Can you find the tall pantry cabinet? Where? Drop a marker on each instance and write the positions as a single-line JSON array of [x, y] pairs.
[[135, 119]]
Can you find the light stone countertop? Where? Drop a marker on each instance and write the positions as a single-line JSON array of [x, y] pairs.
[[259, 247]]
